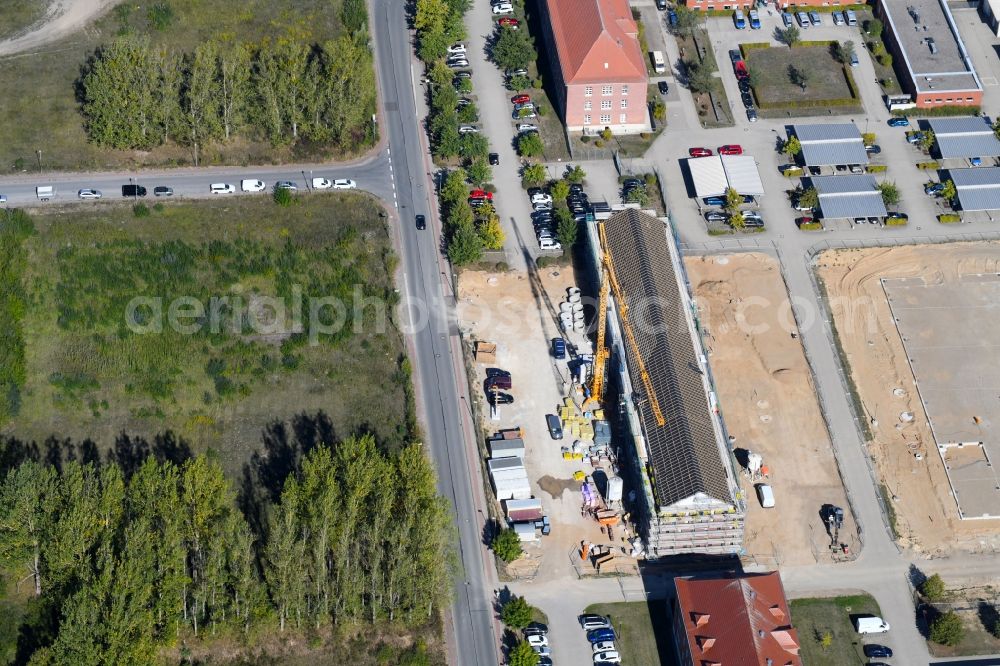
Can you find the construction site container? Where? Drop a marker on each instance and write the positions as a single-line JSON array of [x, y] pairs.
[[499, 464], [507, 448], [520, 511], [526, 531], [614, 492], [517, 488], [602, 433], [512, 473]]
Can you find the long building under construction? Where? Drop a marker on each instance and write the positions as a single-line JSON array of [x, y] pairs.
[[693, 503]]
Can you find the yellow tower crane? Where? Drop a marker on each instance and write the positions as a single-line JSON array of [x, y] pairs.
[[608, 279]]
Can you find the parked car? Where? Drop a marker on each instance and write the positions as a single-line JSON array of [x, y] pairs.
[[661, 5], [915, 138], [253, 185], [558, 348], [496, 398], [3, 198], [752, 115], [222, 188], [734, 55], [672, 17], [89, 193], [716, 216], [520, 99], [456, 48], [538, 197], [607, 657], [895, 215], [786, 18], [743, 85], [662, 87], [604, 646], [838, 19], [754, 19], [554, 425], [463, 75], [509, 22], [421, 222], [934, 189], [854, 60], [163, 191], [321, 183], [500, 383], [494, 159], [537, 639], [747, 100], [542, 650], [699, 152], [286, 185], [133, 191], [464, 101], [803, 19], [874, 149], [714, 201], [900, 121], [805, 219], [815, 18], [599, 634], [731, 149], [525, 105], [766, 495], [549, 244], [870, 624], [975, 161], [460, 62], [740, 68], [527, 127], [856, 168], [468, 129], [503, 8]]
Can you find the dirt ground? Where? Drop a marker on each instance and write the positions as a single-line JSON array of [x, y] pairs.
[[520, 315], [769, 405], [904, 453]]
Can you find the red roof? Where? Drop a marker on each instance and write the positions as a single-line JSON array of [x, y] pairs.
[[597, 41], [738, 621]]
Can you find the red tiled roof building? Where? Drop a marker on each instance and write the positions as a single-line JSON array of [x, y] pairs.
[[733, 621], [599, 68]]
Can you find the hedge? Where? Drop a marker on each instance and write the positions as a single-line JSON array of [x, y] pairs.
[[820, 42], [793, 173], [750, 46], [949, 218], [875, 168], [811, 226], [895, 222], [792, 9], [914, 112], [928, 166]]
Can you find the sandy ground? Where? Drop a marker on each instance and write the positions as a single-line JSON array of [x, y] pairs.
[[927, 517], [520, 316], [769, 405], [63, 18]]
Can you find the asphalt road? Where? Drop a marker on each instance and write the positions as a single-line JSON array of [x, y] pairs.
[[435, 345]]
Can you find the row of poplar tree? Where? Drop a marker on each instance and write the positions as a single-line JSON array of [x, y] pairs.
[[135, 96], [123, 566]]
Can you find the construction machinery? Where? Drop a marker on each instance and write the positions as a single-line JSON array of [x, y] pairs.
[[610, 282]]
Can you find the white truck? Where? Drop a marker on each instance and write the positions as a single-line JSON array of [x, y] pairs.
[[871, 624], [45, 192], [659, 63]]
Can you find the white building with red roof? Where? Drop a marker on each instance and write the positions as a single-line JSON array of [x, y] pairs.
[[599, 68]]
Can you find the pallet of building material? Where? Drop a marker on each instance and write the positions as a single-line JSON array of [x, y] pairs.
[[608, 517], [603, 559], [486, 353]]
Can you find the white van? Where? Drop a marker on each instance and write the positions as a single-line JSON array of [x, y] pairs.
[[548, 244], [659, 64], [253, 185], [852, 18], [45, 192], [222, 188], [766, 495], [871, 625]]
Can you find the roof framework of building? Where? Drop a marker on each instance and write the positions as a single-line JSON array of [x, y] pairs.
[[965, 137], [946, 68], [684, 453], [978, 188], [713, 175], [738, 620], [849, 196], [837, 143], [597, 41]]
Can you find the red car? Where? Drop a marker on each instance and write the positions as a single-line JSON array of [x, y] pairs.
[[520, 99], [804, 220], [741, 69], [731, 149], [699, 152], [509, 22], [481, 194]]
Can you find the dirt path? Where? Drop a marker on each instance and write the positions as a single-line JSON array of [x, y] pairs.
[[64, 17]]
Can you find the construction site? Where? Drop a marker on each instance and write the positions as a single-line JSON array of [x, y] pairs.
[[913, 327], [768, 401]]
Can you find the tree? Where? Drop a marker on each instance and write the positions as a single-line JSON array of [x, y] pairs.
[[792, 147], [118, 97], [479, 171], [789, 36], [947, 629], [798, 76], [826, 640], [512, 49], [699, 77], [638, 195], [869, 138], [26, 514], [809, 198], [874, 28], [995, 629], [659, 110], [687, 20], [606, 134], [996, 128], [465, 246], [559, 191], [753, 77], [522, 654], [516, 613], [199, 104], [491, 233], [927, 141], [519, 82], [473, 145], [530, 145], [736, 220], [533, 175], [575, 174], [932, 589], [733, 200], [845, 51], [234, 87], [354, 15], [950, 191], [890, 193], [453, 189], [467, 113], [567, 228]]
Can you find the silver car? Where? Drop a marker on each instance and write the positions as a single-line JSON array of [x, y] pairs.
[[89, 193]]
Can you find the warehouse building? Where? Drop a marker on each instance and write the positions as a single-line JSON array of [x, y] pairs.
[[964, 138], [928, 53], [831, 145], [977, 188], [692, 498], [712, 176], [848, 197]]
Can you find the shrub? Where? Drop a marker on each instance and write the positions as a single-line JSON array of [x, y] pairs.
[[159, 207], [533, 175], [932, 589], [585, 138], [541, 111], [929, 166], [140, 210], [537, 84], [606, 134], [895, 222], [530, 145], [282, 196], [811, 226], [947, 629], [793, 173], [599, 143], [522, 654], [160, 15], [995, 629], [949, 218], [516, 613], [875, 168]]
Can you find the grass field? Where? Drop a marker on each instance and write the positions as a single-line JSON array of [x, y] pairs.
[[91, 376], [17, 15], [826, 79], [643, 629], [39, 110], [816, 617]]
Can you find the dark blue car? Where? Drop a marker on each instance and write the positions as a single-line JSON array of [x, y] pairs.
[[715, 201], [899, 122], [558, 348], [879, 651], [599, 635], [672, 17]]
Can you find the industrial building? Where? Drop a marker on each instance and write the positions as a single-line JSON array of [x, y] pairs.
[[848, 197], [692, 498], [740, 619], [713, 175], [928, 53], [831, 144], [964, 138], [976, 188]]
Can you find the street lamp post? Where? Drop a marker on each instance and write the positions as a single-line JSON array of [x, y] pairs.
[[38, 153]]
